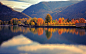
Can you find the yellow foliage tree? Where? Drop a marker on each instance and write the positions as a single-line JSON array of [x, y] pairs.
[[19, 22], [32, 23], [48, 23], [48, 18]]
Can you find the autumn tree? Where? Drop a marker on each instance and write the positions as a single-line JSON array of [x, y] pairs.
[[82, 20], [54, 21], [32, 23], [68, 20], [28, 21], [19, 22], [60, 20], [34, 19], [40, 21], [76, 21], [14, 22], [48, 18], [72, 20]]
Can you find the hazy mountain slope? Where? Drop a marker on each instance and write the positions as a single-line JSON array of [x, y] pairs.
[[41, 9], [73, 11], [6, 13]]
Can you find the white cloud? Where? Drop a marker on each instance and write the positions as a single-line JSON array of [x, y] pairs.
[[16, 5]]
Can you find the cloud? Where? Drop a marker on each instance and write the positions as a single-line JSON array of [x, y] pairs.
[[17, 41], [18, 9], [18, 6]]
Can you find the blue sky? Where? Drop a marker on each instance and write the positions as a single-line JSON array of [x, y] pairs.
[[20, 5]]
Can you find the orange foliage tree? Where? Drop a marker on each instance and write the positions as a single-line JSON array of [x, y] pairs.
[[82, 20], [76, 21], [40, 21], [56, 19], [72, 20], [60, 21]]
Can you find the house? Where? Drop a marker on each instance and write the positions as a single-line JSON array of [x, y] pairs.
[[80, 24]]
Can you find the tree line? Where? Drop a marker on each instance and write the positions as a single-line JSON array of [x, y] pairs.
[[40, 22]]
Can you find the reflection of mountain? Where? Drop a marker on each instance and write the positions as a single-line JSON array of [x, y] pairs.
[[65, 38], [6, 34]]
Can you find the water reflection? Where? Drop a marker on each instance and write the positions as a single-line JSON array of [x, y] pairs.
[[25, 40], [48, 31], [6, 33], [15, 45], [45, 35], [19, 40]]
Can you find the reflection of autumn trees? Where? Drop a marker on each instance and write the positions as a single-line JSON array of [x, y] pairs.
[[25, 30], [19, 29], [40, 31], [48, 31], [0, 28], [60, 31], [81, 32], [66, 30], [48, 34], [33, 30]]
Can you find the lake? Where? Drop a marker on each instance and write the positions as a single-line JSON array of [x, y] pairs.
[[25, 40]]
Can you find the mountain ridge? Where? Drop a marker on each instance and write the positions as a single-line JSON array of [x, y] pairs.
[[41, 9], [77, 10], [7, 13]]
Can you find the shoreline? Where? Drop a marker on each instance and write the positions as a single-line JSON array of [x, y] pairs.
[[54, 26]]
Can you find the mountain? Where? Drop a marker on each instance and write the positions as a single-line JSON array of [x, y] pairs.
[[41, 9], [7, 13], [77, 10]]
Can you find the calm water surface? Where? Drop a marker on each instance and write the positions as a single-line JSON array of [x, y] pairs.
[[24, 40]]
